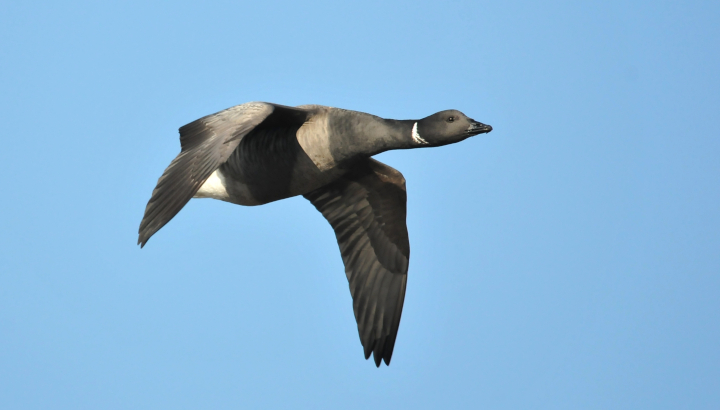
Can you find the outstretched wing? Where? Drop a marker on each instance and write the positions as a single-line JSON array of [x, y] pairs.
[[206, 143], [367, 210]]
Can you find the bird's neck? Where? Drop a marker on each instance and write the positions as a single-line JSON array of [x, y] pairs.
[[366, 135]]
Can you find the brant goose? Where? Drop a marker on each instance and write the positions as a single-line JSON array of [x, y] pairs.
[[257, 152]]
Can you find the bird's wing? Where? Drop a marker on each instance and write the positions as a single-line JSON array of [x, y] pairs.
[[367, 210], [206, 143]]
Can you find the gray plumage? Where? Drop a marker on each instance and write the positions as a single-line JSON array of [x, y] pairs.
[[256, 153]]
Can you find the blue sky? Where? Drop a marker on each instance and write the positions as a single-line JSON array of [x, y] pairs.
[[569, 259]]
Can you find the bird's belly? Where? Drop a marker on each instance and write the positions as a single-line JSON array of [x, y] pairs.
[[267, 167], [218, 186], [258, 191]]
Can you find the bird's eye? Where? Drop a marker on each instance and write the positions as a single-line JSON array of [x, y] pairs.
[[451, 119]]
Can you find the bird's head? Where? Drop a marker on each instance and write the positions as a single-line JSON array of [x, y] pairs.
[[446, 127]]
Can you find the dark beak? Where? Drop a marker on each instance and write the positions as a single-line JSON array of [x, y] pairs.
[[479, 128]]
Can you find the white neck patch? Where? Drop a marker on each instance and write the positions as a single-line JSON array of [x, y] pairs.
[[416, 136]]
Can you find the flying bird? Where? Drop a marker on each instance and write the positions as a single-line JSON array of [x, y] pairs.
[[258, 152]]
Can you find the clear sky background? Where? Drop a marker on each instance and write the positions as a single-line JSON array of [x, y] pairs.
[[570, 259]]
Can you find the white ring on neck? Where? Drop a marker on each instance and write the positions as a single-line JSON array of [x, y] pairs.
[[416, 136]]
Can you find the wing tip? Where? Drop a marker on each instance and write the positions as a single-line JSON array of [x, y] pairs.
[[381, 350], [142, 241], [146, 231]]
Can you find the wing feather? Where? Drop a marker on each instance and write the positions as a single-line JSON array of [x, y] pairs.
[[367, 210], [205, 144]]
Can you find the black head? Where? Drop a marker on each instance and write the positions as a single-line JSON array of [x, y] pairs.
[[447, 127]]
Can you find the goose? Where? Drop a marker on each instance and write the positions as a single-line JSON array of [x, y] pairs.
[[258, 152]]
